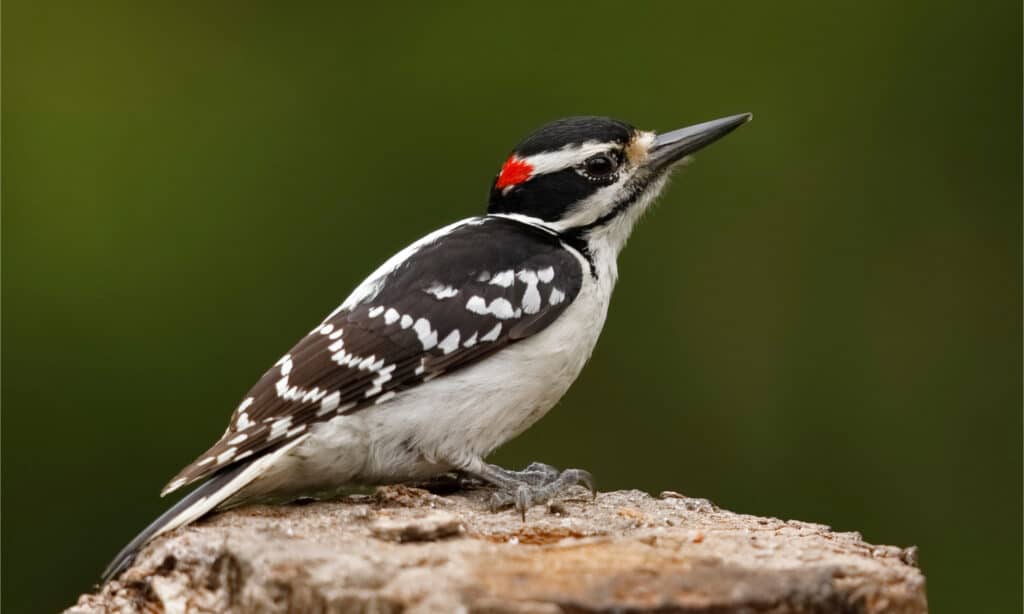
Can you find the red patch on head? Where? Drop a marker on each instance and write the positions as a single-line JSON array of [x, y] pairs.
[[513, 172]]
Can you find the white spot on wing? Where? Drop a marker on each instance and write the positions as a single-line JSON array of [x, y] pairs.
[[383, 376], [450, 343], [226, 455], [527, 276], [468, 343], [499, 307], [387, 396], [326, 329], [329, 403], [375, 311], [503, 279], [428, 337], [341, 357], [493, 333], [441, 291], [477, 304], [557, 296], [546, 274], [531, 297], [314, 394], [406, 321], [243, 421], [390, 316], [238, 439], [279, 427], [531, 300]]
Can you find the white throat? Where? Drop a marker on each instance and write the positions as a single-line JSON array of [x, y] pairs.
[[606, 241]]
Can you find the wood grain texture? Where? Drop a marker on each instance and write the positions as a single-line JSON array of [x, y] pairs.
[[404, 549]]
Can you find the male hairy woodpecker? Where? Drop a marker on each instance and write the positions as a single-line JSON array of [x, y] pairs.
[[457, 343]]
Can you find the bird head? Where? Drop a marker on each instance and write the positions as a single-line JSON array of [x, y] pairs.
[[595, 175]]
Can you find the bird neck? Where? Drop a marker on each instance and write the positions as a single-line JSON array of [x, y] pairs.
[[604, 239]]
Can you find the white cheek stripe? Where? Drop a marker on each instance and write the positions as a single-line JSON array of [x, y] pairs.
[[590, 209]]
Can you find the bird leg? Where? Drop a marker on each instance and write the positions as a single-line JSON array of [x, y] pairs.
[[537, 484]]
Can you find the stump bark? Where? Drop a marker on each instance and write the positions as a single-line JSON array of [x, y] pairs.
[[404, 549]]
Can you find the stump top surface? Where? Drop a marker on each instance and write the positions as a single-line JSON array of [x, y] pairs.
[[405, 549]]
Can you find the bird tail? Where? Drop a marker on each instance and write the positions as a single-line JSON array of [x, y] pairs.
[[212, 493], [192, 506]]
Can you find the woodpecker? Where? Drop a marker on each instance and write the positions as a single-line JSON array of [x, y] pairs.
[[457, 343]]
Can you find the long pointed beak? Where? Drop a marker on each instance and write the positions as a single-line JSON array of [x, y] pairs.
[[672, 146]]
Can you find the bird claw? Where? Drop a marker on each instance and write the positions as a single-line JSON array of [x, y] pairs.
[[538, 484]]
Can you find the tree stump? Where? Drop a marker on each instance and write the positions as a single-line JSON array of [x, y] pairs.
[[404, 549]]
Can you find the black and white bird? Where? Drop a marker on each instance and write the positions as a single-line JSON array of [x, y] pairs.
[[456, 344]]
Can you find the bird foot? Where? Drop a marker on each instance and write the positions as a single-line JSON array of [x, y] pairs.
[[537, 484]]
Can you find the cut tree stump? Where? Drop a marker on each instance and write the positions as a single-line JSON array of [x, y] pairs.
[[404, 549]]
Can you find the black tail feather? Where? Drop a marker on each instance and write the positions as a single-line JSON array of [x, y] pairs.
[[127, 554]]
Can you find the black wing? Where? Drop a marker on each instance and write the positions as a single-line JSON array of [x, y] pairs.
[[458, 298]]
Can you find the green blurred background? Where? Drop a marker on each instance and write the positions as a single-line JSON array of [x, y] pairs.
[[821, 320]]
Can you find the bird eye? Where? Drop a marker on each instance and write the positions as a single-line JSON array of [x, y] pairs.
[[600, 166]]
